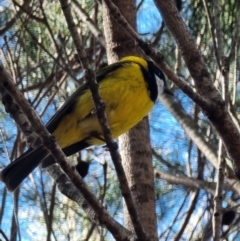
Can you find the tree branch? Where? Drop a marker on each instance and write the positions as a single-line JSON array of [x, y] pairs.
[[219, 115], [101, 115]]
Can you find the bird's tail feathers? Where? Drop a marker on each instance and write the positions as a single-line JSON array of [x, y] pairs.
[[19, 169]]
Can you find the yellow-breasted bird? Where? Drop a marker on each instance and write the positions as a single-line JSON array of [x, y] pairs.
[[129, 89]]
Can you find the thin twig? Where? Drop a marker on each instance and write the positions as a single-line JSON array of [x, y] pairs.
[[211, 27], [191, 209], [217, 213], [89, 22], [219, 34]]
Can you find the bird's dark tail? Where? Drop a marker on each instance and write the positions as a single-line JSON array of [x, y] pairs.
[[19, 169]]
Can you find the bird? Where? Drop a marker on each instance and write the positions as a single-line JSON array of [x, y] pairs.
[[129, 89]]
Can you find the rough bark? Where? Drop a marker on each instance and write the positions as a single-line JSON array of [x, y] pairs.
[[134, 145]]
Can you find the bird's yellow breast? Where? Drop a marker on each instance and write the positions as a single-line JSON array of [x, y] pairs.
[[127, 100]]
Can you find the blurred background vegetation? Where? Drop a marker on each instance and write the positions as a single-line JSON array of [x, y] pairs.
[[38, 51]]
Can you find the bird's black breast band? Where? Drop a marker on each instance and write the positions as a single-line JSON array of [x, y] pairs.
[[149, 77]]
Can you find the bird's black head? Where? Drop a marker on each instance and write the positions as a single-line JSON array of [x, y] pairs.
[[160, 79]]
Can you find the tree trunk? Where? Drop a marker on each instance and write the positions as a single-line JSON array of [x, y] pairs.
[[134, 145]]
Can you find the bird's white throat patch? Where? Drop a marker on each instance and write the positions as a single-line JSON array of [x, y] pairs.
[[160, 85]]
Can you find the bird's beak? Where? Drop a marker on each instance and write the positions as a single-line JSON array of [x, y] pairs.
[[167, 91]]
